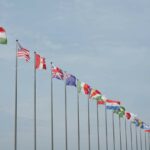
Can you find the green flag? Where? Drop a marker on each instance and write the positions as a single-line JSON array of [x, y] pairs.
[[120, 112]]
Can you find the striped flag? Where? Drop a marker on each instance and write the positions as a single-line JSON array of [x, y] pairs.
[[23, 53], [3, 38], [112, 104]]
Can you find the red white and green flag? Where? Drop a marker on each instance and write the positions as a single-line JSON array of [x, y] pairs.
[[40, 62], [83, 88], [3, 38], [102, 100]]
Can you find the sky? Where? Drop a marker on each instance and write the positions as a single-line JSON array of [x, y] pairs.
[[102, 42]]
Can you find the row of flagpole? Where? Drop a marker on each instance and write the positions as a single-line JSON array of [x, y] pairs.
[[78, 119]]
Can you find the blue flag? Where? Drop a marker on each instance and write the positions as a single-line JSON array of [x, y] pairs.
[[70, 80]]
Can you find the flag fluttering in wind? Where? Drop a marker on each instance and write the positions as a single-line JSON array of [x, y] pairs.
[[3, 37], [95, 94], [136, 122], [83, 87], [147, 131], [23, 53], [70, 80], [121, 111], [130, 116], [145, 126], [57, 72], [102, 100], [112, 104], [40, 62]]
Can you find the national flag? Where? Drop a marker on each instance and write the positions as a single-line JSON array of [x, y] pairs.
[[136, 122], [112, 104], [40, 62], [57, 73], [83, 87], [70, 79], [95, 94], [23, 53], [101, 100], [140, 123], [145, 126], [130, 116], [147, 131], [3, 38], [120, 112]]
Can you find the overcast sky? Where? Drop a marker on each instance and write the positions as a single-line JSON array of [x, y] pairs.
[[102, 42]]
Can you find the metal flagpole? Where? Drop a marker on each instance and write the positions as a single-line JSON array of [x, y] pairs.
[[140, 139], [98, 126], [126, 134], [113, 124], [78, 114], [131, 135], [16, 98], [34, 100], [106, 128], [52, 132], [149, 140], [145, 142], [136, 138], [89, 140], [66, 131], [120, 133]]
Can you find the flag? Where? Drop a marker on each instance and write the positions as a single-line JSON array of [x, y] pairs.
[[83, 87], [136, 122], [145, 126], [130, 116], [3, 38], [147, 131], [40, 62], [95, 94], [120, 112], [70, 79], [140, 123], [23, 53], [102, 100], [112, 104], [57, 73]]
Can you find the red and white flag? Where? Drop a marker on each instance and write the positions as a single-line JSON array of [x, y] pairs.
[[40, 62], [23, 53]]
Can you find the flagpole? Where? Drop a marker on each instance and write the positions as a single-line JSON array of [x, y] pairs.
[[131, 135], [89, 139], [126, 134], [113, 124], [98, 126], [106, 128], [120, 133], [136, 138], [145, 142], [34, 100], [78, 114], [66, 131], [16, 98], [149, 140], [52, 132], [140, 139]]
